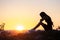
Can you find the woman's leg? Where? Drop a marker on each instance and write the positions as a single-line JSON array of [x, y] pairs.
[[44, 26]]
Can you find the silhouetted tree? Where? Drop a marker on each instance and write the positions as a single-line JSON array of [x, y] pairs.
[[2, 26]]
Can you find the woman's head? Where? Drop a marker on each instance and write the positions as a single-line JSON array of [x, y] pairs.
[[42, 14]]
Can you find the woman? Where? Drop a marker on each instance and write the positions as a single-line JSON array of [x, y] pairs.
[[47, 19]]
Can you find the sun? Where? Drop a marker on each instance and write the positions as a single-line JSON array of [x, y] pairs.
[[20, 27]]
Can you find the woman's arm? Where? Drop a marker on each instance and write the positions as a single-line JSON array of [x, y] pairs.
[[38, 24]]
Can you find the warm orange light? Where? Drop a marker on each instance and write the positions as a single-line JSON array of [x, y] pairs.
[[20, 28]]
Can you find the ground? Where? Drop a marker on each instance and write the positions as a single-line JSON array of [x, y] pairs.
[[32, 35]]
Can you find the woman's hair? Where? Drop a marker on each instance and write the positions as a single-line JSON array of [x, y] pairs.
[[42, 14]]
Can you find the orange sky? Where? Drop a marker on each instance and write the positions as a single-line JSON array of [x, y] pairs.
[[26, 12]]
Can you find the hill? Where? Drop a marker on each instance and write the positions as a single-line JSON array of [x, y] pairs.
[[31, 35]]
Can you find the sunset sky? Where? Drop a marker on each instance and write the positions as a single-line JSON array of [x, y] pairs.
[[26, 13]]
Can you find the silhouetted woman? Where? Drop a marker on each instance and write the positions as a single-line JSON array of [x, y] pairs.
[[47, 19]]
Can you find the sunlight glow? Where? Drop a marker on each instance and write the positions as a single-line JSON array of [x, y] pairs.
[[20, 28]]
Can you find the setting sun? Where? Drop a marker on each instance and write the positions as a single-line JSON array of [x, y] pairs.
[[20, 28]]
